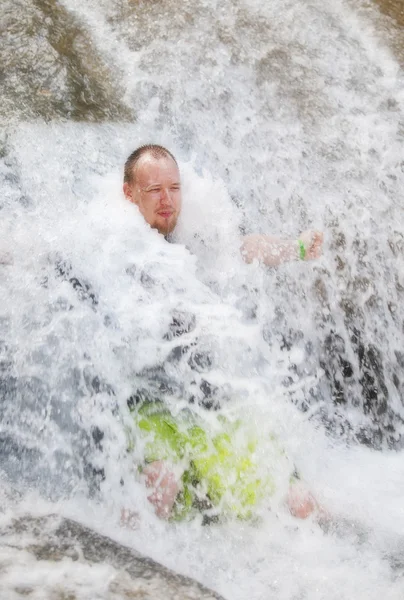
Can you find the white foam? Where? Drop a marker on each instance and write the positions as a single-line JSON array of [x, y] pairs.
[[308, 140]]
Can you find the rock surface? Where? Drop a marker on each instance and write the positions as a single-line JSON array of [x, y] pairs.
[[53, 558]]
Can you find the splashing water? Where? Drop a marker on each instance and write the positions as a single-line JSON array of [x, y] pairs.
[[284, 116]]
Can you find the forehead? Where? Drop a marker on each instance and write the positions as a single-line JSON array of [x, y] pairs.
[[154, 170]]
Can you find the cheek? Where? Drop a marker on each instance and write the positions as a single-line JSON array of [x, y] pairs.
[[146, 212], [178, 203], [146, 208], [150, 212]]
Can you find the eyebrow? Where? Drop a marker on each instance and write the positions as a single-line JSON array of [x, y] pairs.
[[152, 185]]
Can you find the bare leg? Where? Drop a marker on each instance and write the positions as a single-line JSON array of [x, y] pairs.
[[129, 518], [164, 486]]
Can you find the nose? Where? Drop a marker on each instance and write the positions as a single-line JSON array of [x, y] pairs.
[[165, 197]]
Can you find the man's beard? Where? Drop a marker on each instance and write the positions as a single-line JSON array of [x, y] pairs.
[[169, 226]]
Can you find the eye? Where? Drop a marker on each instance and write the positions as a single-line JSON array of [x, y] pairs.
[[175, 188], [154, 190]]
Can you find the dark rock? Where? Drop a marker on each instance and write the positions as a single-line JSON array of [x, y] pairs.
[[82, 288], [182, 322], [200, 361], [95, 384], [357, 379], [146, 280], [177, 353], [54, 539], [210, 395], [50, 67]]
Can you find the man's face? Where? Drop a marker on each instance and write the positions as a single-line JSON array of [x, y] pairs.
[[156, 189]]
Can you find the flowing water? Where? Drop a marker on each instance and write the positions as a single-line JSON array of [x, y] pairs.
[[284, 115]]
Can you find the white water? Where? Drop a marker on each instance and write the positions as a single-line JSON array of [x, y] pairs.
[[284, 116]]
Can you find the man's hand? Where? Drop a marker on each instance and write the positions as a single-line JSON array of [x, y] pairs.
[[313, 243], [273, 251], [164, 485]]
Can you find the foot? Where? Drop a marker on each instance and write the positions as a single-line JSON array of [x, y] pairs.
[[301, 502]]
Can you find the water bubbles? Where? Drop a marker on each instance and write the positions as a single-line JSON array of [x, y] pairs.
[[283, 116]]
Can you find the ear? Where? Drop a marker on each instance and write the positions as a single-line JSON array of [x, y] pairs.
[[127, 190]]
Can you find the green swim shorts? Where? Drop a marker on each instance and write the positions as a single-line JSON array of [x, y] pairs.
[[220, 474]]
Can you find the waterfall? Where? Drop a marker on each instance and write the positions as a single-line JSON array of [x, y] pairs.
[[283, 116]]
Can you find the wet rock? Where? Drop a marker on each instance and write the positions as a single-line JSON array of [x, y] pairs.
[[177, 353], [30, 410], [96, 384], [147, 281], [357, 379], [200, 360], [33, 543], [182, 322], [155, 383], [82, 288], [47, 56]]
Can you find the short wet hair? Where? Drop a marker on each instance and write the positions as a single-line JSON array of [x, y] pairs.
[[132, 160]]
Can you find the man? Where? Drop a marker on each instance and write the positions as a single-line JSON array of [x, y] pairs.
[[152, 182]]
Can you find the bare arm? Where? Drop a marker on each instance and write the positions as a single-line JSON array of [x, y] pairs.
[[273, 251]]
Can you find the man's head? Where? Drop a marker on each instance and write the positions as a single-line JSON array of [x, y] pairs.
[[152, 181]]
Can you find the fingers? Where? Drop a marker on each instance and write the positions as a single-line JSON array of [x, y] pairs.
[[313, 241], [318, 243], [318, 238], [316, 246]]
